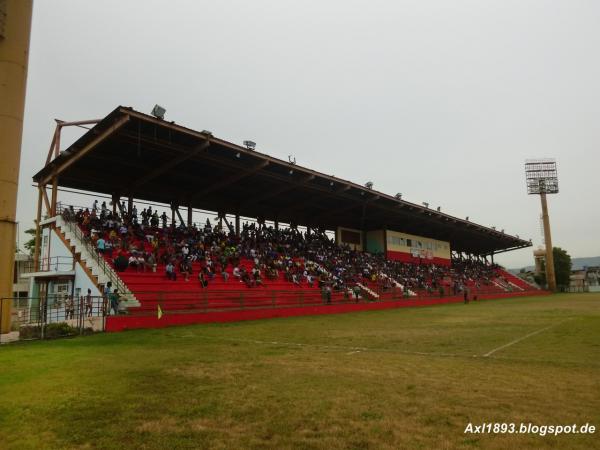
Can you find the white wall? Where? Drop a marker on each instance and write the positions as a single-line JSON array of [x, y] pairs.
[[83, 282]]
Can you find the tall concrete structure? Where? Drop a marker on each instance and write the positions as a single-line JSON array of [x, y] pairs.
[[15, 27], [542, 179]]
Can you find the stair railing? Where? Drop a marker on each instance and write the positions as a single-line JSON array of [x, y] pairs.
[[117, 283]]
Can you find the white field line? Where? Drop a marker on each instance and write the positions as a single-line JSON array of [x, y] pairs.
[[491, 352], [352, 350]]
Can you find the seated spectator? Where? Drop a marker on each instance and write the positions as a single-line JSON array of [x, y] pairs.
[[185, 268], [121, 263], [295, 279], [151, 262], [170, 271], [202, 279], [108, 248], [141, 263]]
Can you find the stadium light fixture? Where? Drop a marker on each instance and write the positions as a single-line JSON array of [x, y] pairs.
[[426, 205], [250, 145], [541, 177], [292, 159], [467, 218], [439, 208], [369, 185], [158, 112], [398, 196]]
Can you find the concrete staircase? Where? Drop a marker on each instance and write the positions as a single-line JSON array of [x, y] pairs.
[[96, 266], [398, 285]]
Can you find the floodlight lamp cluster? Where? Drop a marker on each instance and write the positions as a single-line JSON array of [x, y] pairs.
[[158, 112], [541, 176], [250, 145]]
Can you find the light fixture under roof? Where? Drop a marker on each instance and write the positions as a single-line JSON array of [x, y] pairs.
[[250, 145], [158, 112]]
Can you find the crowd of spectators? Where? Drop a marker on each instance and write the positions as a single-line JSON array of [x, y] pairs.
[[145, 241]]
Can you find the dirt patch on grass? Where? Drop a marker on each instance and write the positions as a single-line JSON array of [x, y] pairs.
[[222, 372], [162, 425]]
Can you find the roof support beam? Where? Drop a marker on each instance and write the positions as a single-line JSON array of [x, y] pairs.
[[345, 208], [169, 165], [276, 192], [85, 150], [232, 179], [310, 201]]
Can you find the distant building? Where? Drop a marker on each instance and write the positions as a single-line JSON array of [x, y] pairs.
[[23, 264], [585, 280]]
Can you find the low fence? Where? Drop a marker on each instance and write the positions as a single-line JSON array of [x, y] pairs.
[[59, 316], [53, 316]]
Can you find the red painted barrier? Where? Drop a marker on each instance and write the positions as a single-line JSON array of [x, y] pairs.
[[120, 323]]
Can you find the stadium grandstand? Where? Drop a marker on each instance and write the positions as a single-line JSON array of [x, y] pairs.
[[284, 239]]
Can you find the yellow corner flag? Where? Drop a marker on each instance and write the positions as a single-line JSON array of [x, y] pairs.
[[160, 313]]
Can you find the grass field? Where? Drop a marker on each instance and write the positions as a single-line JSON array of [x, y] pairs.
[[404, 378]]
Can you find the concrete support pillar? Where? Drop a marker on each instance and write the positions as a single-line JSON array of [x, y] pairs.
[[115, 202], [550, 275], [14, 53], [38, 229], [189, 216], [54, 197]]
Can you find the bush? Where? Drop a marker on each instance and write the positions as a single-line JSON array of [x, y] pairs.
[[56, 330], [29, 332]]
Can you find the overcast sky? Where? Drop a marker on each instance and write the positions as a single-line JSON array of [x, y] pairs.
[[439, 100]]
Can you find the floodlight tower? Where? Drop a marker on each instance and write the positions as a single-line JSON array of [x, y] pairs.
[[542, 178]]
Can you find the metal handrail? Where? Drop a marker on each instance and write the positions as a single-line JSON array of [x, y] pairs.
[[106, 269], [51, 263]]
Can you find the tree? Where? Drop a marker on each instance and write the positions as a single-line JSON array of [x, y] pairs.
[[562, 266], [30, 244]]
